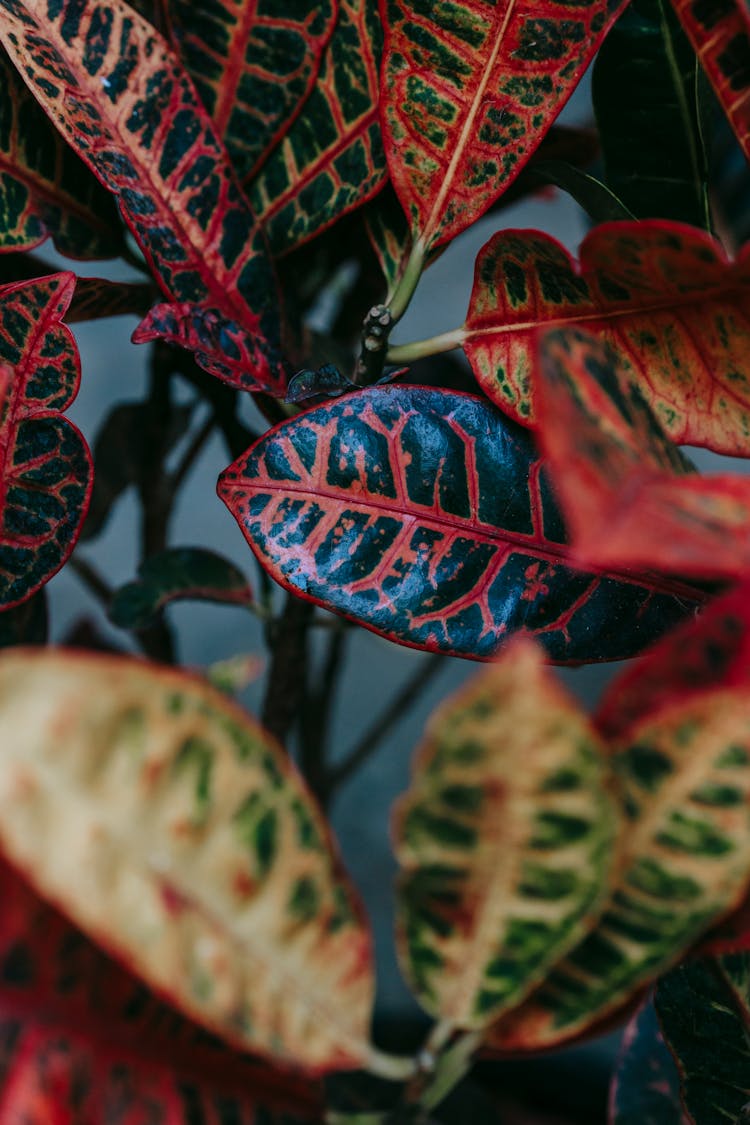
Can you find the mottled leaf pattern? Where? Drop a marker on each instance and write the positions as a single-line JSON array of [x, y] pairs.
[[45, 190], [705, 652], [704, 1009], [253, 63], [646, 1086], [222, 347], [121, 99], [720, 33], [620, 478], [685, 780], [45, 465], [653, 150], [84, 1041], [662, 293], [331, 159], [173, 575], [185, 843], [469, 91], [505, 839], [424, 515]]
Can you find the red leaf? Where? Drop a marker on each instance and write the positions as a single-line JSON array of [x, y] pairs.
[[720, 34], [45, 465], [469, 91], [663, 294], [709, 651], [618, 475], [253, 66], [45, 190], [85, 1043], [122, 100]]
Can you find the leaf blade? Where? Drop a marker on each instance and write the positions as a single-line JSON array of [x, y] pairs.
[[224, 826], [645, 1089], [385, 506], [505, 841]]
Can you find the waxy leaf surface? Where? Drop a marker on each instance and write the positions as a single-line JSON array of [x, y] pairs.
[[469, 90], [331, 158], [710, 650], [622, 483], [685, 782], [173, 575], [506, 840], [175, 832], [424, 515], [720, 34], [663, 294], [704, 1010], [45, 190], [253, 63], [120, 97], [45, 465], [84, 1041], [653, 151], [645, 1089]]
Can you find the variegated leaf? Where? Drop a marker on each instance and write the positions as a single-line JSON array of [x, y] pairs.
[[645, 1088], [254, 64], [704, 1010], [425, 516], [622, 484], [174, 831], [331, 159], [708, 651], [173, 575], [720, 33], [685, 780], [45, 190], [85, 1042], [45, 464], [664, 294], [469, 91], [121, 99], [506, 841]]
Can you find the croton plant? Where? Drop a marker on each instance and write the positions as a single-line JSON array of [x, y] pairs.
[[179, 940]]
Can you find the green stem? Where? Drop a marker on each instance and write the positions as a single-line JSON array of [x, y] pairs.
[[421, 349], [405, 288]]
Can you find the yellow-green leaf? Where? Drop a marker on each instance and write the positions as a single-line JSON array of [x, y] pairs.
[[685, 777], [506, 840], [172, 828]]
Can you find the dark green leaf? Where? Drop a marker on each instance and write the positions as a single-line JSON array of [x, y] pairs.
[[646, 1086]]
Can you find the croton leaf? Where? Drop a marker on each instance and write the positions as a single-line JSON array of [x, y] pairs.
[[45, 465], [173, 575], [469, 91], [424, 515], [720, 33], [187, 845], [96, 298], [627, 500], [651, 139], [645, 1089], [331, 159], [25, 623], [662, 293], [120, 97], [253, 64], [704, 1010], [220, 346], [85, 1041], [506, 840], [45, 190], [707, 651], [685, 780]]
